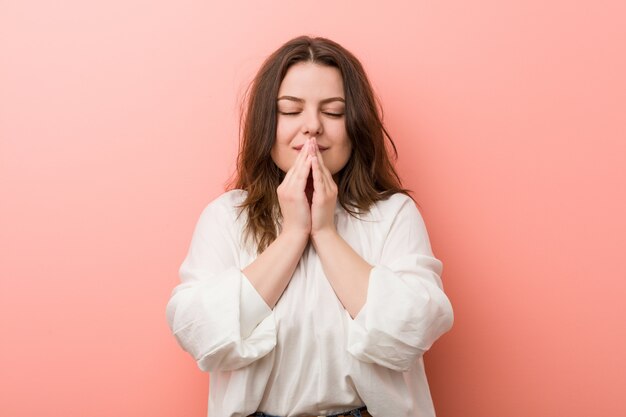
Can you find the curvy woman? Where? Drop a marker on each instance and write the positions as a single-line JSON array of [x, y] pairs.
[[310, 287]]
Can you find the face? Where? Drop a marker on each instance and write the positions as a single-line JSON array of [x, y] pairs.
[[311, 103]]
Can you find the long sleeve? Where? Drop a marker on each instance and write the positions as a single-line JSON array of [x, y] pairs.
[[406, 309], [214, 312]]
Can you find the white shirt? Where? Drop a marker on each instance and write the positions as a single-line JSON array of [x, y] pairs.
[[307, 356]]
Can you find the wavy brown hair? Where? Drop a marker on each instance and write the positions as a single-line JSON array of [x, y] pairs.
[[369, 174]]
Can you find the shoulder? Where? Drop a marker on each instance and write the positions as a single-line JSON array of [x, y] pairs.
[[398, 204], [225, 205], [395, 201], [401, 221], [231, 198]]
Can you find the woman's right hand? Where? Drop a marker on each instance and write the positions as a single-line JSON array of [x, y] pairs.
[[292, 198]]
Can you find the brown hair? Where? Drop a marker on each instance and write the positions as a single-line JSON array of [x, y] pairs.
[[368, 176]]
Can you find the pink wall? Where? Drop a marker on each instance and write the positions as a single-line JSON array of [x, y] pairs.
[[118, 123]]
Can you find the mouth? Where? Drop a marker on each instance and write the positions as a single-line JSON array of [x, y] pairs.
[[321, 148]]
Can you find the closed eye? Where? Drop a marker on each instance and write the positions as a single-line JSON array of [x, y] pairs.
[[297, 112]]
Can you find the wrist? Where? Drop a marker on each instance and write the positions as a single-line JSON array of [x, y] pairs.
[[324, 234], [294, 236]]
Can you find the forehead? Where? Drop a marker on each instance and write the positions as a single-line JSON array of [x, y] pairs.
[[312, 82]]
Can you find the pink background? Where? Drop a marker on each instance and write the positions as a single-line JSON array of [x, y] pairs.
[[118, 124]]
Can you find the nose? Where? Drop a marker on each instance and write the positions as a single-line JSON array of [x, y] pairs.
[[312, 124]]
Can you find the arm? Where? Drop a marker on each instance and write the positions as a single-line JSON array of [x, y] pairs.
[[214, 312], [272, 270], [406, 309], [347, 272], [220, 314], [398, 305]]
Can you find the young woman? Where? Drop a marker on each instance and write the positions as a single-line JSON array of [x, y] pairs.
[[310, 288]]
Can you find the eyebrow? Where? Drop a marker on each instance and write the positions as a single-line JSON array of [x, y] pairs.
[[299, 100]]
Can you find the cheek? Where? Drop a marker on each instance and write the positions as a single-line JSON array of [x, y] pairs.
[[282, 143], [282, 154], [340, 157], [347, 151], [285, 130], [344, 142]]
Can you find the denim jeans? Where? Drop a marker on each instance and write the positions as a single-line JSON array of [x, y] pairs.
[[353, 413]]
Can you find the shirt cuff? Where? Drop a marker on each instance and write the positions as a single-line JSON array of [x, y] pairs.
[[253, 308]]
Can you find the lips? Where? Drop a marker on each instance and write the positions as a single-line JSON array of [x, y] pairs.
[[299, 147]]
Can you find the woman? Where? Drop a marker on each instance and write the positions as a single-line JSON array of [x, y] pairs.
[[310, 287]]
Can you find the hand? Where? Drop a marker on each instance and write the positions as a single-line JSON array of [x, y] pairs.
[[324, 195], [291, 194]]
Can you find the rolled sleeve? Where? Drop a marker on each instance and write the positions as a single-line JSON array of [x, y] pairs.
[[214, 313], [406, 309], [253, 307]]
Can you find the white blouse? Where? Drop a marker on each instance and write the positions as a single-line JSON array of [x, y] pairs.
[[307, 356]]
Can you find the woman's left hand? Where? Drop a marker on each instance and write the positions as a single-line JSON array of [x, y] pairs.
[[324, 195]]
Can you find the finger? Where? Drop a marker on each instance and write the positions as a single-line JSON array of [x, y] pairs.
[[303, 168], [297, 162], [318, 178], [320, 165], [300, 179], [327, 178], [313, 147], [299, 168], [318, 153]]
